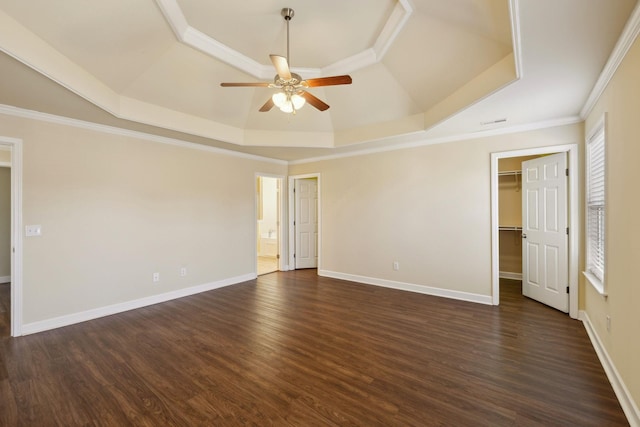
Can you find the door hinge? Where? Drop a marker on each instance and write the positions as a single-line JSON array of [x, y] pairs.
[[567, 171], [567, 231], [294, 223], [294, 255], [567, 289]]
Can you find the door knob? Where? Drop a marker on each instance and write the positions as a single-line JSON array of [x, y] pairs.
[[524, 236]]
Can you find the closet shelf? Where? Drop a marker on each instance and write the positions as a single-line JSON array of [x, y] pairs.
[[510, 228], [509, 173]]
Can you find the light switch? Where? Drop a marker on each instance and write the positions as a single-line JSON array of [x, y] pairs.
[[33, 230]]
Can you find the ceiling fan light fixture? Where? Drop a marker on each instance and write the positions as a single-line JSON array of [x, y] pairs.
[[292, 94], [298, 101], [288, 103], [279, 99], [287, 107]]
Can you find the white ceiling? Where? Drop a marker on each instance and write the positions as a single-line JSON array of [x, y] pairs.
[[421, 68]]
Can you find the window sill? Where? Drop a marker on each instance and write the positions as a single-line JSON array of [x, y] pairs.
[[596, 283]]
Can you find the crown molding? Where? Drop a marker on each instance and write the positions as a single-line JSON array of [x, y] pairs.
[[81, 124], [628, 36], [396, 22], [514, 11], [412, 140], [208, 45], [425, 140]]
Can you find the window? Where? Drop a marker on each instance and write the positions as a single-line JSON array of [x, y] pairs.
[[595, 198]]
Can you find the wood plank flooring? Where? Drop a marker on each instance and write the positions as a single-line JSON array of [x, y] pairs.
[[294, 349], [267, 264], [5, 309]]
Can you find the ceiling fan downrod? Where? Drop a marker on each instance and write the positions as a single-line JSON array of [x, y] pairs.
[[288, 14]]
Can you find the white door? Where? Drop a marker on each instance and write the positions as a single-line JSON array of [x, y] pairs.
[[545, 269], [306, 223]]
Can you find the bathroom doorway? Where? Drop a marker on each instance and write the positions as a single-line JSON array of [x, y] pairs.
[[5, 243], [268, 228]]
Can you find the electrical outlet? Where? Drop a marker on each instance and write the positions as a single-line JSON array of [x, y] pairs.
[[183, 271], [33, 230], [608, 323], [156, 277], [396, 265]]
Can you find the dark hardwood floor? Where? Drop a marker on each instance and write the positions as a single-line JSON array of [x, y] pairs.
[[294, 349], [5, 310]]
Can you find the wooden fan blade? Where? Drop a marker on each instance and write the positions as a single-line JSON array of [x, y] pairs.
[[282, 66], [245, 84], [329, 81], [267, 106], [316, 102]]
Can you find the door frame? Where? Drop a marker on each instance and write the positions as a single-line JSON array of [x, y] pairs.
[[292, 230], [573, 217], [15, 145], [281, 229]]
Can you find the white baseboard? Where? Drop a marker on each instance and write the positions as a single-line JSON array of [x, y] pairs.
[[428, 290], [510, 275], [70, 319], [5, 279], [622, 393]]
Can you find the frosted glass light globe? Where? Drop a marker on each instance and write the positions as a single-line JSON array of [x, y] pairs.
[[287, 107], [298, 101], [279, 99]]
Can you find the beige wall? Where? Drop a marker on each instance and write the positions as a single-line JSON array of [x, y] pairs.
[[5, 155], [427, 207], [5, 222], [116, 209], [621, 100]]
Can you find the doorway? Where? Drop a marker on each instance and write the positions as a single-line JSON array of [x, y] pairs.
[[11, 155], [501, 234], [305, 223], [268, 220], [5, 241]]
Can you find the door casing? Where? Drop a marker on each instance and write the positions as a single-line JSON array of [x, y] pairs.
[[16, 233], [573, 219]]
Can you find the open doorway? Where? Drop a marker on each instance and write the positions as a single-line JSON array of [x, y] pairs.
[[268, 230], [11, 152], [5, 241], [510, 216], [504, 266]]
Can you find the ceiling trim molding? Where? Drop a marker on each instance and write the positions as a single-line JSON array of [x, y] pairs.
[[190, 36], [212, 47], [396, 22], [563, 121], [628, 36], [9, 110], [514, 11]]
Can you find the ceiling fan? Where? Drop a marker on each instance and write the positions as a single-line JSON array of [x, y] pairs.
[[292, 94]]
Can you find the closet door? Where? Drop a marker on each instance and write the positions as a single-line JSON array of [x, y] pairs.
[[306, 224], [545, 262]]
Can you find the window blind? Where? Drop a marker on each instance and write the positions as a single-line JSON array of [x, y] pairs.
[[596, 205]]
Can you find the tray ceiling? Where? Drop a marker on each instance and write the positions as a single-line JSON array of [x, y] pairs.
[[419, 67]]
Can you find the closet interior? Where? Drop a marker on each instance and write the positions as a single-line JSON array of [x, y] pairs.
[[510, 216]]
